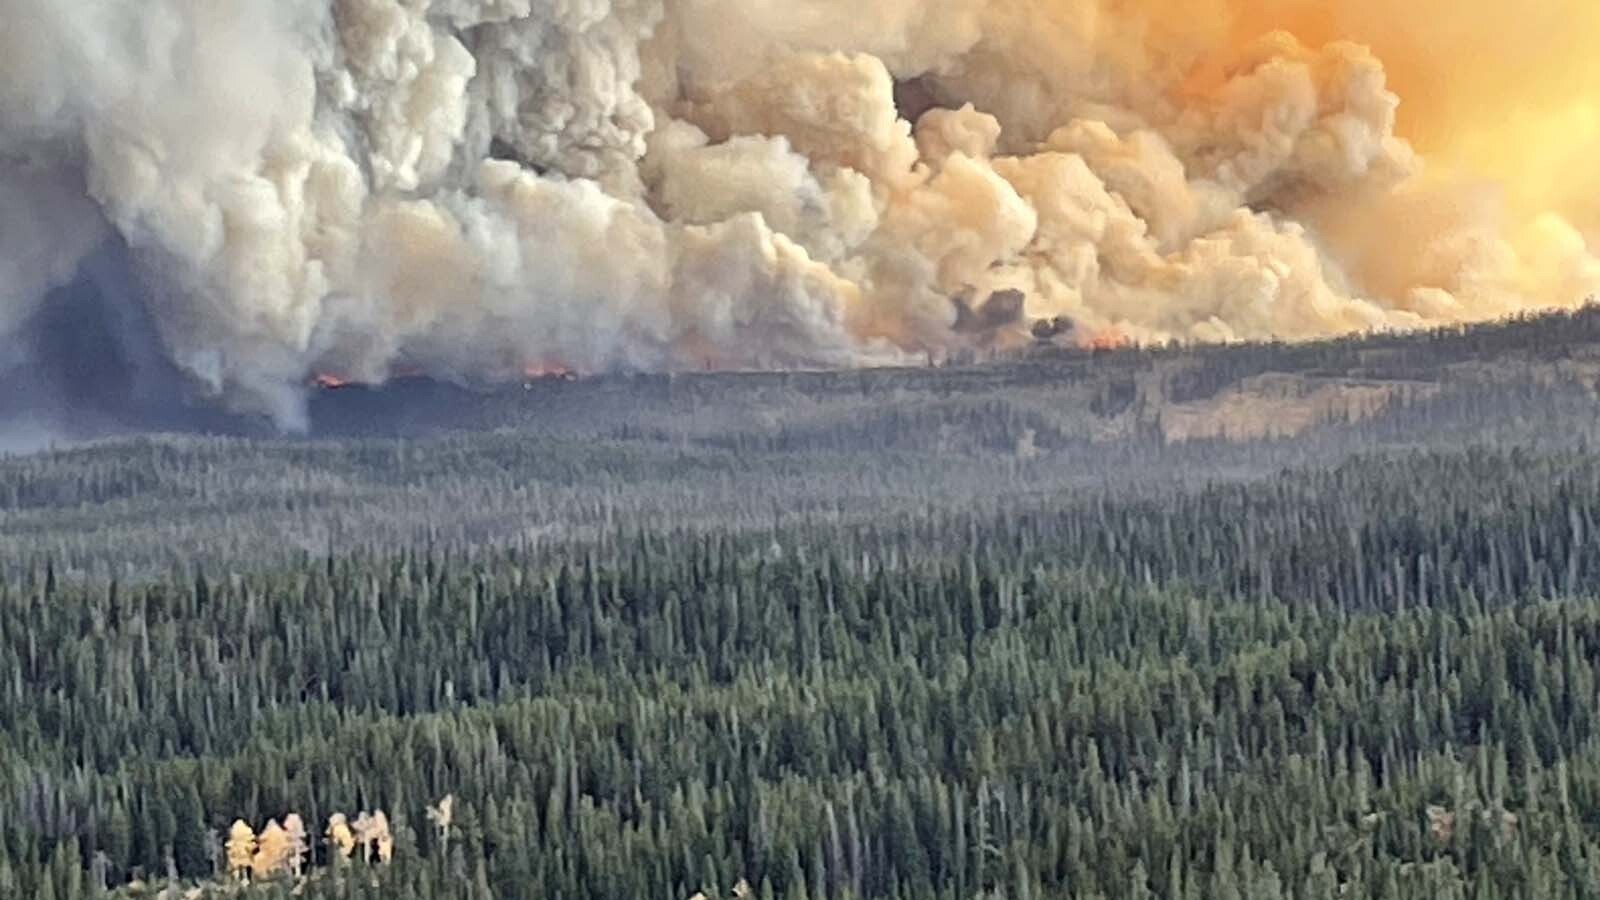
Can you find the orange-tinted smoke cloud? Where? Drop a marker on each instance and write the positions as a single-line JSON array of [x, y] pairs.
[[1504, 92]]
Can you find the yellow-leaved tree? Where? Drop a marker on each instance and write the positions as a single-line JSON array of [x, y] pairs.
[[340, 837], [372, 833], [241, 849], [298, 845], [441, 816], [382, 837], [272, 852]]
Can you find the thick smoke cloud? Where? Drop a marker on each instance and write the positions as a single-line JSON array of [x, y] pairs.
[[475, 187]]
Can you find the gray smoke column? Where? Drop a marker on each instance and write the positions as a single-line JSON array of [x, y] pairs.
[[474, 188]]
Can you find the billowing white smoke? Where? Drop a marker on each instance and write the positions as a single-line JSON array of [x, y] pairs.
[[478, 186]]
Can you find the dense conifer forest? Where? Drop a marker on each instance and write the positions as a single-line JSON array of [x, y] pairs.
[[964, 647]]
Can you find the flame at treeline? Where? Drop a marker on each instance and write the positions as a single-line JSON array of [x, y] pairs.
[[456, 187]]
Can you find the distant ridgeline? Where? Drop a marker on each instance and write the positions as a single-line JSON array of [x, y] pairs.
[[567, 462]]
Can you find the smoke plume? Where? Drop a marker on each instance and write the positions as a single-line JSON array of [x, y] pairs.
[[471, 188]]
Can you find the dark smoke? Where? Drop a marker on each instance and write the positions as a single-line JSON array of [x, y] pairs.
[[89, 363]]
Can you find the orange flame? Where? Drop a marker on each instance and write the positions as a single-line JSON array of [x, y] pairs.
[[1110, 338], [329, 382], [547, 372]]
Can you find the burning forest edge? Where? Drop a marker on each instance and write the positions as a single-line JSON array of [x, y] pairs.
[[557, 455], [126, 394]]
